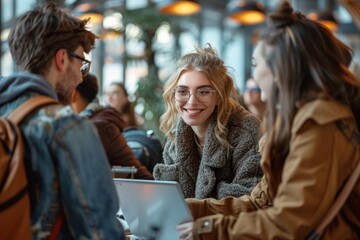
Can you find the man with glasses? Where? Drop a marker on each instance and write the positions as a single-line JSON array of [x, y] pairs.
[[48, 47]]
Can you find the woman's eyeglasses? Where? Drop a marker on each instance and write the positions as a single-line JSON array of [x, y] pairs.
[[202, 94], [85, 68]]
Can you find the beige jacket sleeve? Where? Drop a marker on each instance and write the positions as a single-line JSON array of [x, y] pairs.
[[310, 180]]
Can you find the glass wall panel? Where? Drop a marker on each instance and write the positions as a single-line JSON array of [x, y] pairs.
[[113, 67], [7, 66], [23, 5], [6, 10]]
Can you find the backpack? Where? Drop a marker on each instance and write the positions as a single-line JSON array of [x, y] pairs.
[[145, 146], [14, 190]]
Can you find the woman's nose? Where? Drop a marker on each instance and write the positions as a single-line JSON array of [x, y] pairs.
[[193, 98]]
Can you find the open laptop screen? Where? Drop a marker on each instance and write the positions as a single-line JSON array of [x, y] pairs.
[[152, 209]]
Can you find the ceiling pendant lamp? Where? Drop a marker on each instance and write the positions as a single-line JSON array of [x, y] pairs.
[[89, 10], [246, 12], [178, 7], [326, 18]]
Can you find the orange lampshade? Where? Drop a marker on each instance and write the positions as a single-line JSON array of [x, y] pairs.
[[246, 12], [178, 7], [95, 17], [329, 24], [89, 10], [326, 18]]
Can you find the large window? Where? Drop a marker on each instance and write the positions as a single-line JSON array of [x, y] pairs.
[[23, 5], [6, 10], [7, 66], [10, 10]]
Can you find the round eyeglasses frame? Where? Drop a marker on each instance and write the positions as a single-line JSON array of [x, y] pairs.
[[185, 98]]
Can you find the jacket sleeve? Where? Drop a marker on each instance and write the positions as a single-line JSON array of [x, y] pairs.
[[117, 150], [168, 171], [310, 181], [226, 206]]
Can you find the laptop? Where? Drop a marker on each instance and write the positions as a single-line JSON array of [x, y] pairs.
[[152, 209]]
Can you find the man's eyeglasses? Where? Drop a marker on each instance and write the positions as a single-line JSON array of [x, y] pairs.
[[85, 68], [202, 94]]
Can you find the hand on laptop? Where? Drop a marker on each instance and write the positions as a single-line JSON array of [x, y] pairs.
[[185, 230]]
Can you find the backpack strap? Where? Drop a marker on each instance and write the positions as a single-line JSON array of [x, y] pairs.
[[16, 116], [28, 106]]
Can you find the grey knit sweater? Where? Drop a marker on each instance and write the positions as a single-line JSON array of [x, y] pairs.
[[217, 174]]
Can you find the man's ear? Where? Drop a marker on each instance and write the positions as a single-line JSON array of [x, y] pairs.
[[61, 60]]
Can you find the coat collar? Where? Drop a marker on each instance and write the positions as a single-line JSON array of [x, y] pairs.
[[322, 111], [214, 153]]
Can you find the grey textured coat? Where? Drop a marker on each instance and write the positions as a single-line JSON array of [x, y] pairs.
[[218, 174]]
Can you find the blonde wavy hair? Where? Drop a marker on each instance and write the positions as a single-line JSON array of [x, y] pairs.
[[206, 61]]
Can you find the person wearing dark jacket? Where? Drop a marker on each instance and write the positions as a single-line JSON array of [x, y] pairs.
[[109, 124]]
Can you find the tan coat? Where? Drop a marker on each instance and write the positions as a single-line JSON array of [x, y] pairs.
[[320, 159]]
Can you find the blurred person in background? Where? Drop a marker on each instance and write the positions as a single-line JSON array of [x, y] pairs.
[[252, 99], [143, 142], [117, 97], [109, 124]]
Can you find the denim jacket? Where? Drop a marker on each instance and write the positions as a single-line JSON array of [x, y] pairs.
[[61, 144]]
